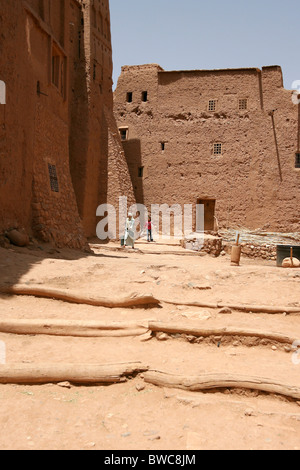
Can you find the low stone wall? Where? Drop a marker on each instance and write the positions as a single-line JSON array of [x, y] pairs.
[[267, 252], [214, 245]]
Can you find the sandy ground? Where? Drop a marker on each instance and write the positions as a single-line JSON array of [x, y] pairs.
[[119, 417]]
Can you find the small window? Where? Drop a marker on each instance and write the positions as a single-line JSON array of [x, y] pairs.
[[79, 44], [94, 17], [41, 9], [55, 70], [58, 70], [62, 78], [100, 23], [243, 104], [129, 97], [217, 149], [163, 146], [212, 105], [141, 172], [297, 160], [53, 178], [123, 133], [145, 96], [2, 92]]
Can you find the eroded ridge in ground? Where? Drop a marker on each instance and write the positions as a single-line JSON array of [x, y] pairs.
[[244, 360]]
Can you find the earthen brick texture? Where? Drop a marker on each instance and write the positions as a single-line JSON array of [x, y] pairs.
[[57, 156], [224, 138]]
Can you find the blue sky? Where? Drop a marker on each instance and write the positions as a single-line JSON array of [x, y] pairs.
[[196, 34]]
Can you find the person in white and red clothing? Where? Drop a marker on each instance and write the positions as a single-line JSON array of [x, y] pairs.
[[149, 230]]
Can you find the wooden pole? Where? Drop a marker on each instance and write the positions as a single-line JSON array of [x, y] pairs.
[[74, 328], [74, 373], [134, 300], [193, 330], [221, 381]]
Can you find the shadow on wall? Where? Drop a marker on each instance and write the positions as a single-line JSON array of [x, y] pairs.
[[103, 164], [133, 154], [78, 130]]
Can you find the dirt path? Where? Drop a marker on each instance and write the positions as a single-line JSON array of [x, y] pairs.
[[136, 415]]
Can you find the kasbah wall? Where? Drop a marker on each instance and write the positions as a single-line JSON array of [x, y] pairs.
[[60, 151], [172, 135]]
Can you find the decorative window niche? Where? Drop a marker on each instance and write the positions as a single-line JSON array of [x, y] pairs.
[[53, 178], [243, 104], [217, 149], [212, 105]]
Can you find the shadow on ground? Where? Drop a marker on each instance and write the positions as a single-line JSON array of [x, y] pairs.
[[15, 262]]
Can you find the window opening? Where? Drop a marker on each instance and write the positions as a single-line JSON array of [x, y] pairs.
[[212, 105], [218, 149], [243, 104], [53, 178]]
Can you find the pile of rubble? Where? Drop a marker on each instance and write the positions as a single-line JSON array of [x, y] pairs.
[[205, 243]]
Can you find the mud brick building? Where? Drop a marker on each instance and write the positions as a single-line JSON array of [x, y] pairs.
[[226, 138], [60, 151]]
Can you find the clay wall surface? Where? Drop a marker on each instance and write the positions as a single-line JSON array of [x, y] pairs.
[[254, 181], [55, 214], [36, 127], [54, 134], [16, 132]]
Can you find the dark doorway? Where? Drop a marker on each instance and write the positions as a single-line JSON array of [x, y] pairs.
[[209, 214]]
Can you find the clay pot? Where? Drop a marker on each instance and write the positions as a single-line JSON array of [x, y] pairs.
[[291, 263], [17, 238]]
